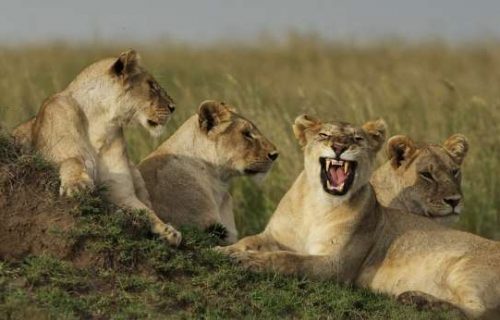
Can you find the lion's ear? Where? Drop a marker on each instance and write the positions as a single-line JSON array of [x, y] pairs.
[[399, 149], [127, 63], [457, 145], [211, 113], [304, 126], [376, 131]]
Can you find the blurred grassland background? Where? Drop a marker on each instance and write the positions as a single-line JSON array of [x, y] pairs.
[[427, 90]]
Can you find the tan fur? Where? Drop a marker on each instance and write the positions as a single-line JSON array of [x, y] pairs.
[[22, 133], [403, 182], [80, 129], [188, 176], [353, 239]]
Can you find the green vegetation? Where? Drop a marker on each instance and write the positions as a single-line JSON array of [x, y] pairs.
[[428, 91], [117, 269]]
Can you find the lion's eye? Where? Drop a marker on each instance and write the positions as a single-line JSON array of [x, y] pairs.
[[324, 135], [152, 85], [426, 175], [247, 134], [359, 138], [455, 172]]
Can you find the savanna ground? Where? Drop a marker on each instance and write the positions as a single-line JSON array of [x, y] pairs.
[[428, 91]]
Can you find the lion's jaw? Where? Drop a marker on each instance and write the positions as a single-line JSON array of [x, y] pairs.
[[336, 178], [155, 129]]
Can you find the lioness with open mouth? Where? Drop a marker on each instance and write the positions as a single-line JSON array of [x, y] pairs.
[[330, 225], [188, 176]]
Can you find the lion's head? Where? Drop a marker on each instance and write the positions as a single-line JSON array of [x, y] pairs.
[[339, 156], [139, 93], [423, 179], [239, 146]]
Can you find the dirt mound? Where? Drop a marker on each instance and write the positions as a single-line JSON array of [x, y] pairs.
[[33, 216], [86, 230]]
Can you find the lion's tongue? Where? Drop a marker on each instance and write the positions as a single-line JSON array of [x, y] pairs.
[[337, 175]]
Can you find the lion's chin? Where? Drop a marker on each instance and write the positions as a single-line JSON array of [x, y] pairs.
[[156, 131], [154, 128], [259, 178], [447, 219]]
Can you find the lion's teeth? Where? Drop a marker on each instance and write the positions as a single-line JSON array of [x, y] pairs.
[[346, 166], [328, 184], [339, 188]]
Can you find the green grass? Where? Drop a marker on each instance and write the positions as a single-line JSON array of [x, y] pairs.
[[190, 285], [120, 270]]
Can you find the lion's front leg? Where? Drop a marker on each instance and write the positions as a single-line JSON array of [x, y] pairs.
[[59, 134], [140, 186], [424, 301], [74, 177], [258, 242], [227, 219], [115, 172], [288, 263]]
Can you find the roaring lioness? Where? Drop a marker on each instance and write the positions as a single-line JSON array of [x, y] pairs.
[[188, 175], [330, 225], [80, 129], [422, 179]]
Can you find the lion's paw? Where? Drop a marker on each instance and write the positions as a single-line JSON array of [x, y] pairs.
[[72, 187], [170, 235], [424, 301], [250, 260], [227, 250]]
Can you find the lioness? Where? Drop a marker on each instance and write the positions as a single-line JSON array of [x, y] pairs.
[[329, 225], [422, 179], [80, 129], [188, 175]]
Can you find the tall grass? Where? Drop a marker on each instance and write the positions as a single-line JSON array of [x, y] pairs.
[[428, 91]]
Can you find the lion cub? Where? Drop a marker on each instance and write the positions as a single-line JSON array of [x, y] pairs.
[[422, 179], [188, 175], [80, 129], [330, 225]]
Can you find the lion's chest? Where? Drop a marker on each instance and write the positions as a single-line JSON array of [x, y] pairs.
[[102, 137], [324, 239]]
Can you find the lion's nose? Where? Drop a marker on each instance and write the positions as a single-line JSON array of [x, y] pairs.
[[452, 201], [339, 148], [171, 107], [273, 155]]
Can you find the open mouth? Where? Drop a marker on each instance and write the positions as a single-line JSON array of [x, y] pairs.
[[337, 176]]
